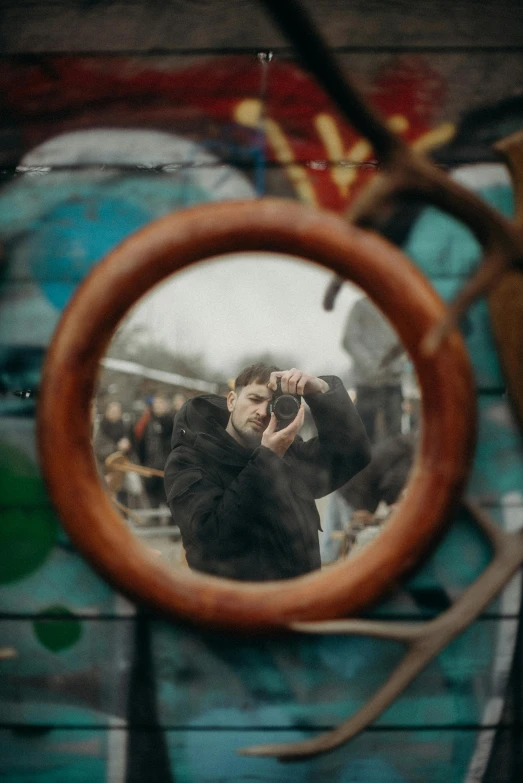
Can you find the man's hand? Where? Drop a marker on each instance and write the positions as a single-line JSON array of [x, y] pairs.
[[297, 382], [280, 441]]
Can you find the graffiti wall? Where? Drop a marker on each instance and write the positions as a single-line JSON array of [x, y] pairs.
[[94, 146]]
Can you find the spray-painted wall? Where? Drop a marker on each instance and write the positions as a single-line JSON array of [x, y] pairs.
[[91, 689]]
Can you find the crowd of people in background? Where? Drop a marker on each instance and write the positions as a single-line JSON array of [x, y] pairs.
[[143, 439], [353, 515]]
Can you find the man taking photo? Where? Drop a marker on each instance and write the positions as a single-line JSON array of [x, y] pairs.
[[241, 483]]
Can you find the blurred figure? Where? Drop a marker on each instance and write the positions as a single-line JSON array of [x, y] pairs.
[[337, 518], [364, 501], [112, 434], [384, 477], [378, 361], [178, 401], [140, 425], [155, 445]]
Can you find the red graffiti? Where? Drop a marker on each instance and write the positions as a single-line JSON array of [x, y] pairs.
[[221, 99]]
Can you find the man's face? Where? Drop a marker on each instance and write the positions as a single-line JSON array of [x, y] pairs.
[[159, 406], [113, 412], [249, 417]]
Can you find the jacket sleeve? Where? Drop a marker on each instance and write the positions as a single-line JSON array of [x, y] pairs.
[[251, 506], [341, 448]]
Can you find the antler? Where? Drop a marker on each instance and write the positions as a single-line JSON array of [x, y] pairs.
[[405, 172], [424, 641]]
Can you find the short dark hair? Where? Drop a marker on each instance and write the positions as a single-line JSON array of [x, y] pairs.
[[258, 372]]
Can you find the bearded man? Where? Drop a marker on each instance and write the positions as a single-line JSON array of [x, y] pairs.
[[242, 487]]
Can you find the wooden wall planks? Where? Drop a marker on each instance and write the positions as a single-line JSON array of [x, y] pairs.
[[116, 25]]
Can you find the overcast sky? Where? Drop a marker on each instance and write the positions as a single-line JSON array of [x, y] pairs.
[[246, 304]]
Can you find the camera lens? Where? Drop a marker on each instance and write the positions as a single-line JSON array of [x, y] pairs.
[[286, 407]]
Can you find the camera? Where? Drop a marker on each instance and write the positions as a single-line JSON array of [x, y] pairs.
[[284, 406]]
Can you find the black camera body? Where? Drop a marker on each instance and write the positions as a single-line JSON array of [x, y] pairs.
[[284, 406]]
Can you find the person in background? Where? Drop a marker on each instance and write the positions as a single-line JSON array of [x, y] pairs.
[[178, 401], [141, 423], [155, 445], [363, 501], [112, 433], [378, 362]]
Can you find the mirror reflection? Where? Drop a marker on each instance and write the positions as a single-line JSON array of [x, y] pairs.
[[244, 432]]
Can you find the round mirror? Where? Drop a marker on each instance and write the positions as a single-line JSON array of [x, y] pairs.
[[185, 364], [264, 569]]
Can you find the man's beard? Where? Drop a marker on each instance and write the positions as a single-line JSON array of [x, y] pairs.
[[250, 439]]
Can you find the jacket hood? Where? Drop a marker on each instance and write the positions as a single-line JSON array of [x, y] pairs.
[[201, 423]]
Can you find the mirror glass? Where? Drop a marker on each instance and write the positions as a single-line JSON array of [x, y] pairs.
[[193, 462]]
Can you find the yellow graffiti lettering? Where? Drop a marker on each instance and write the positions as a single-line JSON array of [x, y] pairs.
[[249, 113], [345, 174], [435, 137], [398, 123], [342, 176], [346, 162]]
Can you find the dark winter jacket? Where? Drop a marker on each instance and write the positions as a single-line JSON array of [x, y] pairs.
[[107, 437], [251, 515], [154, 445], [384, 477]]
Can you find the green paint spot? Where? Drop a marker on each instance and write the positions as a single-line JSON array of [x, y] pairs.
[[59, 634], [26, 539], [28, 528], [20, 483]]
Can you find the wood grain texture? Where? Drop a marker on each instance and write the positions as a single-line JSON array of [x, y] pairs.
[[76, 26]]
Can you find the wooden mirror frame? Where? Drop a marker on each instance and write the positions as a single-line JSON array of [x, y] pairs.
[[168, 245]]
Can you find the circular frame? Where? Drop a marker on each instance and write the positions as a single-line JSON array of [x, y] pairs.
[[168, 245]]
